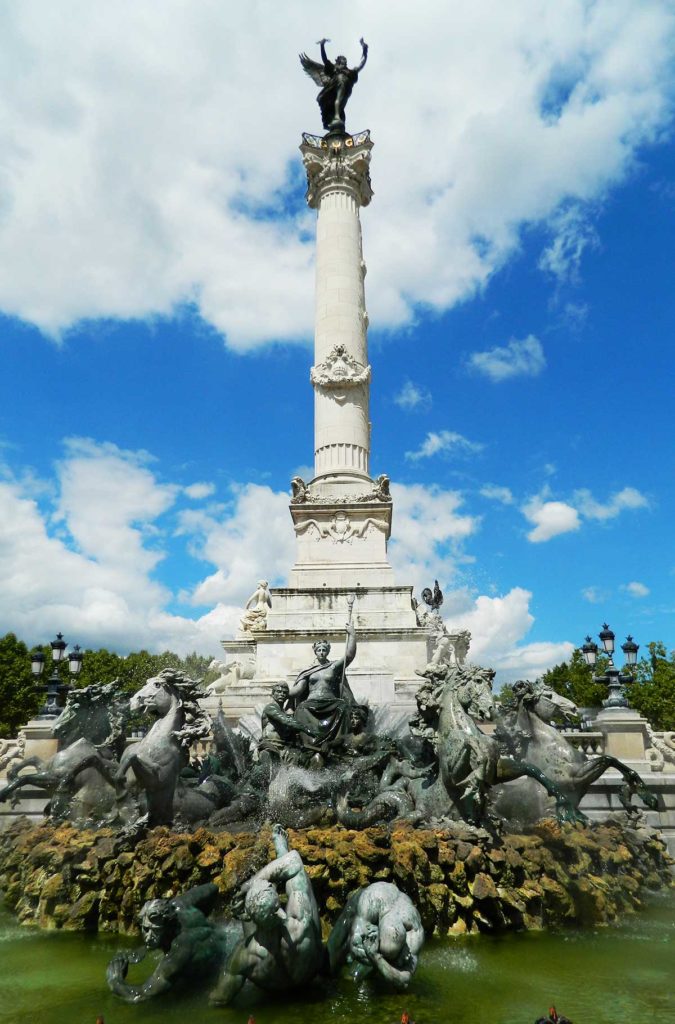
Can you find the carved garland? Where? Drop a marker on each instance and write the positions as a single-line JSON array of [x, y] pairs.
[[339, 370]]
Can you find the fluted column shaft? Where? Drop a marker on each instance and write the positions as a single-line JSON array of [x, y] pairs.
[[338, 185]]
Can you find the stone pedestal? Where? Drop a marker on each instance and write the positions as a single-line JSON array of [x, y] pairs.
[[391, 646], [40, 739], [625, 732], [341, 544]]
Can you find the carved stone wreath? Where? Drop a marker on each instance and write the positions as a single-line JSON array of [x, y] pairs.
[[339, 370], [340, 528]]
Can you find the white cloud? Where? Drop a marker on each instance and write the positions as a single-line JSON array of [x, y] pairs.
[[496, 493], [572, 235], [250, 539], [636, 589], [430, 530], [96, 582], [627, 498], [199, 491], [550, 519], [498, 626], [515, 359], [133, 176], [444, 442], [594, 595], [412, 396]]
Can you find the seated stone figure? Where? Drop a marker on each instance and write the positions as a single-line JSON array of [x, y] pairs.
[[322, 695], [381, 929], [281, 948], [193, 945]]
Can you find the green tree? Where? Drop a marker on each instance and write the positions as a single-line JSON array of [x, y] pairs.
[[19, 697], [197, 665], [503, 695], [574, 680], [653, 692], [100, 666]]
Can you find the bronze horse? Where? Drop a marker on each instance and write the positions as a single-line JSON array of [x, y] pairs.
[[525, 730], [79, 778], [470, 762]]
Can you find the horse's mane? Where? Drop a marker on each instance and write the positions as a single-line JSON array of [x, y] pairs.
[[99, 697], [459, 675], [522, 689], [197, 724]]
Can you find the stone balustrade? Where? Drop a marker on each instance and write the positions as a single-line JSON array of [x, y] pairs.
[[592, 744]]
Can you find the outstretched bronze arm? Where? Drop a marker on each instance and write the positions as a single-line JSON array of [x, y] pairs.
[[324, 55], [364, 47]]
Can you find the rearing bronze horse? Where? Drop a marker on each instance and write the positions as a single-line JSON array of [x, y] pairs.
[[471, 763]]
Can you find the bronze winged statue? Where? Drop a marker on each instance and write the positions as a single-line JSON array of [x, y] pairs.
[[336, 80]]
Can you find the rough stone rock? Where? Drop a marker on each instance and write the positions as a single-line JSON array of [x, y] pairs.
[[483, 888], [463, 880]]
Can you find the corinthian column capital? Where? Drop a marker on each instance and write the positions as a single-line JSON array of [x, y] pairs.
[[341, 163]]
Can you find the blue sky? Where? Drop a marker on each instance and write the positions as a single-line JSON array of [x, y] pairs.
[[156, 299]]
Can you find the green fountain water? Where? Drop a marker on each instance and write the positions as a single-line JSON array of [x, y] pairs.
[[619, 975]]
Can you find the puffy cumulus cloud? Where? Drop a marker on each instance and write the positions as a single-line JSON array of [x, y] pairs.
[[515, 359], [109, 502], [636, 589], [444, 442], [199, 491], [412, 396], [498, 626], [594, 595], [429, 532], [250, 538], [550, 519], [627, 498], [83, 556], [151, 161]]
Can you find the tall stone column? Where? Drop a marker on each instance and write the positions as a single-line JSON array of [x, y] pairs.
[[338, 186], [342, 519]]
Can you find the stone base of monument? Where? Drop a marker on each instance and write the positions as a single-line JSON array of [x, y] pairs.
[[392, 645]]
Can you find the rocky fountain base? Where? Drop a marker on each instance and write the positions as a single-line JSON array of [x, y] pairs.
[[462, 879]]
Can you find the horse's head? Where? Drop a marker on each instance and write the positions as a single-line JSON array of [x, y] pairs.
[[173, 691], [543, 701], [97, 713], [158, 694], [71, 723], [472, 686]]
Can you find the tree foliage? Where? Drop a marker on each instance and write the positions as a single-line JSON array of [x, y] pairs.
[[574, 680], [21, 699], [653, 692]]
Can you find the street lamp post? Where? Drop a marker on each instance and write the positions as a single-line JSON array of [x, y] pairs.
[[54, 688], [615, 679]]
